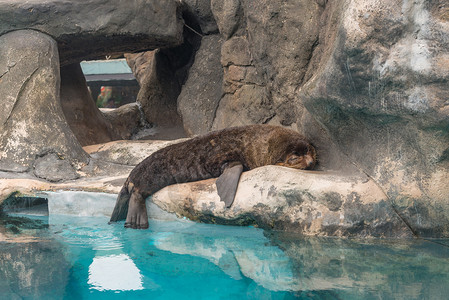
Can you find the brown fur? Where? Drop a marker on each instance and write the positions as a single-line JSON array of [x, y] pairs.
[[206, 157]]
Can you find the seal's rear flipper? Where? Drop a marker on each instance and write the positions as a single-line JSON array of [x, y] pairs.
[[121, 206], [227, 183]]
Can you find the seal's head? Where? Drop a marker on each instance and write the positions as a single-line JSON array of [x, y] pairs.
[[303, 157]]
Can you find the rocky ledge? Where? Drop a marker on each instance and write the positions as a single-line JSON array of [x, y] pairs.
[[278, 198]]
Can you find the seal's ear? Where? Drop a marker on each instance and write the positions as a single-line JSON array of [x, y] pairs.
[[227, 183]]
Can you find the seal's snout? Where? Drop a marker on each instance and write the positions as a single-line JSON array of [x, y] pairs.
[[310, 157], [310, 161]]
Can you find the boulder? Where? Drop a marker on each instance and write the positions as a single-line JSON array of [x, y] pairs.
[[246, 98], [128, 153], [141, 64], [32, 121], [161, 75], [159, 87], [84, 118], [125, 120], [93, 29], [39, 36], [279, 198], [50, 166]]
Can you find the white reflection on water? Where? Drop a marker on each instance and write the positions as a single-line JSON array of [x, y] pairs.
[[114, 272]]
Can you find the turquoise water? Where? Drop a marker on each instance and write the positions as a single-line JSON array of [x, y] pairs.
[[65, 257]]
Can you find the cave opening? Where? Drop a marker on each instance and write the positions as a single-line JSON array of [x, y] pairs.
[[130, 96]]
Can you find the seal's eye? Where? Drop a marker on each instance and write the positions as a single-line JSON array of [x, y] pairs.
[[297, 161], [293, 159]]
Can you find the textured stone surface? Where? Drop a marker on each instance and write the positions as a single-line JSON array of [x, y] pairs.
[[378, 88], [272, 53], [141, 64], [84, 118], [32, 121], [51, 167], [124, 120], [159, 88], [229, 16], [126, 152], [198, 100], [82, 30], [161, 74], [93, 29], [310, 203], [201, 11]]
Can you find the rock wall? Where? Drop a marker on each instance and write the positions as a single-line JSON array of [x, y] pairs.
[[378, 87], [366, 81]]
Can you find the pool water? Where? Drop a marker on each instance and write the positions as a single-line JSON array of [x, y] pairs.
[[70, 257]]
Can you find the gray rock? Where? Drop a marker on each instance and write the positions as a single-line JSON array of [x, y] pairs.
[[161, 74], [248, 105], [201, 93], [93, 29], [84, 118], [201, 11], [159, 88], [52, 167], [124, 120], [229, 17], [265, 59], [278, 198], [127, 153], [32, 120], [139, 63], [236, 52]]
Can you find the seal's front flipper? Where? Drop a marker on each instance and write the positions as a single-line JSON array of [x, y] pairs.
[[227, 183]]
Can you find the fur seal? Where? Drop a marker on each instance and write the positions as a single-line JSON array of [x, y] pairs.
[[224, 154]]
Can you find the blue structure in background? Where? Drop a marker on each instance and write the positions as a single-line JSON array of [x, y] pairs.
[[106, 70], [111, 82]]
